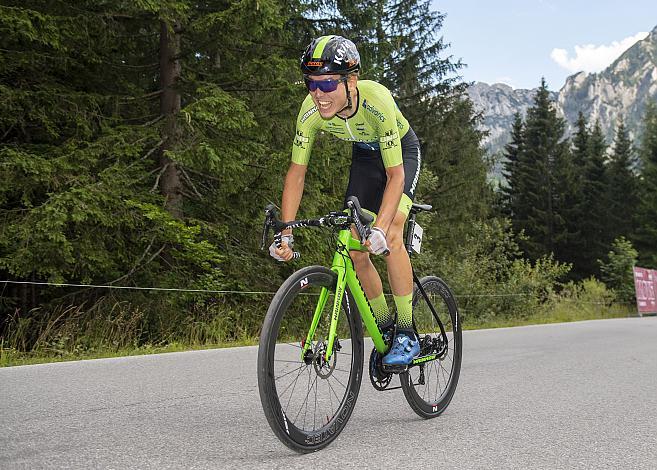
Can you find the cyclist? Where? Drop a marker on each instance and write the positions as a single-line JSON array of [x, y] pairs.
[[384, 172]]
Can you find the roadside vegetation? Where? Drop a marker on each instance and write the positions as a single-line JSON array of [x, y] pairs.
[[78, 334], [140, 142]]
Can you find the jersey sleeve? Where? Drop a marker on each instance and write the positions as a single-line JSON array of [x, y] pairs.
[[308, 122], [389, 138]]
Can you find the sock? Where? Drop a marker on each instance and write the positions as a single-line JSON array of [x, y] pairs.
[[404, 306], [380, 309]]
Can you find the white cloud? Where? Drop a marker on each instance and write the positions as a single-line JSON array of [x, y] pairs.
[[591, 58]]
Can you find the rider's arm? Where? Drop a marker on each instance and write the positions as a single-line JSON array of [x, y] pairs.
[[292, 192], [308, 122]]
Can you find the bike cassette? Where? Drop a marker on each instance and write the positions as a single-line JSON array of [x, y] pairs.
[[379, 378]]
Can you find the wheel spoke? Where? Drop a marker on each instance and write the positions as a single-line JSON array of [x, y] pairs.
[[440, 375], [327, 384], [291, 372]]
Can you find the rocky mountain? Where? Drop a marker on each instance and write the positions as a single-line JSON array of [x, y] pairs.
[[621, 90]]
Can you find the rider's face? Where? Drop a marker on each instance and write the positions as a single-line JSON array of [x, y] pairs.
[[329, 102]]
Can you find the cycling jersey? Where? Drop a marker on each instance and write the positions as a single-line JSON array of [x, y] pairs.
[[377, 124]]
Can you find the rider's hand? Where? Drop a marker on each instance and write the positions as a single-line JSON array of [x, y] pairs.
[[285, 252], [376, 242]]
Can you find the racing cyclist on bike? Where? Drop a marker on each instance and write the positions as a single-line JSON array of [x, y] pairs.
[[384, 172]]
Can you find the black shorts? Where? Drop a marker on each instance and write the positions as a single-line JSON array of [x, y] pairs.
[[367, 177]]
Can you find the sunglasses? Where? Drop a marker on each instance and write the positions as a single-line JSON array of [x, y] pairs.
[[326, 86]]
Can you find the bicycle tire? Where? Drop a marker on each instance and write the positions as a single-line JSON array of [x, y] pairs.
[[447, 368], [285, 327]]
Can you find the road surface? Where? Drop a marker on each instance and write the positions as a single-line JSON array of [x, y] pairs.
[[576, 395]]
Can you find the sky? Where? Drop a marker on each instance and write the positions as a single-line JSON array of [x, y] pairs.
[[519, 41]]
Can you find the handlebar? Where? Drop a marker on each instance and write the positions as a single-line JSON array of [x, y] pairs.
[[358, 217]]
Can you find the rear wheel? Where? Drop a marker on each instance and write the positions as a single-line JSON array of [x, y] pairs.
[[430, 386], [308, 400]]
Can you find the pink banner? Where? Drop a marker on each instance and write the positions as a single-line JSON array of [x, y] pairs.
[[645, 284]]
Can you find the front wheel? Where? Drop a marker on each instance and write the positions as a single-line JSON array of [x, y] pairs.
[[430, 386], [308, 400]]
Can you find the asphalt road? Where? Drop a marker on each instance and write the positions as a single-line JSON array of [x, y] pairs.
[[578, 395]]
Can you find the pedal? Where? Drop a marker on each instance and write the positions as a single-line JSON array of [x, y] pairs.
[[394, 369]]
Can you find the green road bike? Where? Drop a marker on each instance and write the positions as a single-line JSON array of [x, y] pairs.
[[310, 358]]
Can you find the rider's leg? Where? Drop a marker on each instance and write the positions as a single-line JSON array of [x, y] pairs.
[[371, 282], [400, 273]]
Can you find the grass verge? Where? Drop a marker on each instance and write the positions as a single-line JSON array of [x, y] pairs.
[[561, 311]]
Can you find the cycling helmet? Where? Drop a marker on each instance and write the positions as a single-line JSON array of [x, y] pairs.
[[329, 55]]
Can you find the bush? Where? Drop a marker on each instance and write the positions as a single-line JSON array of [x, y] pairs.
[[586, 300], [617, 271], [491, 282]]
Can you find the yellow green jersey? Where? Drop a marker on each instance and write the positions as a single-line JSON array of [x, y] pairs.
[[376, 124]]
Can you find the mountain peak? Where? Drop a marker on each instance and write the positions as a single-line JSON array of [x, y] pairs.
[[619, 91]]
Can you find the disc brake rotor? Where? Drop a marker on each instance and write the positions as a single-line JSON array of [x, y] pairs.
[[323, 368]]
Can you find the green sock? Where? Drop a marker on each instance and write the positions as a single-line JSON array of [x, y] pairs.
[[404, 305], [380, 309]]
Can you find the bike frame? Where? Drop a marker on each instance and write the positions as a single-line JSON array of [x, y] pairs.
[[346, 276]]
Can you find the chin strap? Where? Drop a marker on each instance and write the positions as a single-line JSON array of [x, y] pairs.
[[348, 96]]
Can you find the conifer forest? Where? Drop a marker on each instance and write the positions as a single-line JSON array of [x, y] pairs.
[[141, 140]]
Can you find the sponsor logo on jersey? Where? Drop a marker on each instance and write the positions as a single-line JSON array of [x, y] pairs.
[[389, 139], [308, 113], [374, 111], [300, 140]]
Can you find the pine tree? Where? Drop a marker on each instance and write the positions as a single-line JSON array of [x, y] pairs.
[[409, 58], [581, 142], [538, 200], [594, 205], [566, 198], [512, 183], [646, 237], [623, 187], [576, 249], [115, 111]]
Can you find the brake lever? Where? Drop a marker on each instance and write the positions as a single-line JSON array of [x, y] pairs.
[[363, 230], [270, 215]]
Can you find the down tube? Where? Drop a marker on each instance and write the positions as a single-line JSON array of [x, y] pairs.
[[365, 310]]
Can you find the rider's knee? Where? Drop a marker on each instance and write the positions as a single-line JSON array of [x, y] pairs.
[[361, 259], [395, 235], [394, 240]]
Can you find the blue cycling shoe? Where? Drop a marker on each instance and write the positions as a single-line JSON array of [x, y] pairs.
[[403, 351]]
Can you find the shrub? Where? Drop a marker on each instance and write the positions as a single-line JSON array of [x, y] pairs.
[[617, 270]]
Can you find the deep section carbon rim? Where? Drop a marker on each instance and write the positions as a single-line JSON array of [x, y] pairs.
[[309, 399], [429, 386]]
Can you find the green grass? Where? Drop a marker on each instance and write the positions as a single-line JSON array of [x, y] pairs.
[[562, 311]]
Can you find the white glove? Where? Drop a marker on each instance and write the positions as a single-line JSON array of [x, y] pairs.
[[287, 242], [377, 241]]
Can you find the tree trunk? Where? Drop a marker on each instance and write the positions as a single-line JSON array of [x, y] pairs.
[[170, 181]]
